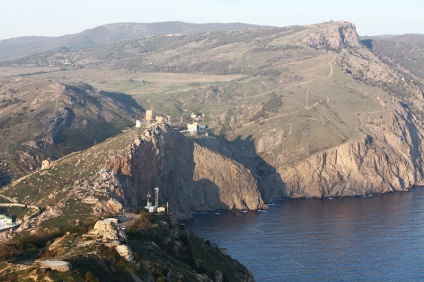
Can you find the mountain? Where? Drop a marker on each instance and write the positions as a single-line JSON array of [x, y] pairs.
[[306, 111], [106, 34]]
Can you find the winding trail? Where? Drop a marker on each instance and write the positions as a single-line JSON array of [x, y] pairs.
[[331, 68]]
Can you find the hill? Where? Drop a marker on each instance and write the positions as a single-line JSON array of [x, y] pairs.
[[119, 173], [153, 248], [42, 120], [106, 34]]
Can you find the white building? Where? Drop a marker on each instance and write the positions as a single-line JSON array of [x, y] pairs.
[[192, 127], [161, 209], [138, 123], [6, 222]]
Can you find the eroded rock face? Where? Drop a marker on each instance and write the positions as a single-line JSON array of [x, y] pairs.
[[125, 252], [334, 36], [389, 160], [190, 176]]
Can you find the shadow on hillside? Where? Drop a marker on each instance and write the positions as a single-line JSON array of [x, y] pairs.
[[172, 170], [243, 151], [125, 99], [368, 43], [5, 178]]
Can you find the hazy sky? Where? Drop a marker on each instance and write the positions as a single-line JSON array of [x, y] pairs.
[[59, 17]]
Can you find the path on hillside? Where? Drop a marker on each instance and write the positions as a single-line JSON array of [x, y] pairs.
[[307, 97], [271, 118], [331, 68], [323, 99], [8, 198]]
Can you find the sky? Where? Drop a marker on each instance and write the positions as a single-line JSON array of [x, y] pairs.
[[60, 17]]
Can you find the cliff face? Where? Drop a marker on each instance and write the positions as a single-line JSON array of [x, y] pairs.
[[190, 177], [334, 35], [389, 160]]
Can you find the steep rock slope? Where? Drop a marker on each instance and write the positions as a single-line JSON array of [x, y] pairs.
[[190, 177], [389, 157], [389, 160], [336, 36]]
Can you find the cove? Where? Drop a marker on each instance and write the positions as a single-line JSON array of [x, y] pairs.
[[377, 238]]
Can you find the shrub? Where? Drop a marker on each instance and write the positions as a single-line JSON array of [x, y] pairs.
[[90, 277]]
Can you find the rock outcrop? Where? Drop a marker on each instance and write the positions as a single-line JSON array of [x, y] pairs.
[[334, 36], [388, 160], [125, 252], [190, 177], [109, 231]]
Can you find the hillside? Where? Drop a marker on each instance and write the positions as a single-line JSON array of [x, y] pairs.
[[14, 48], [41, 120], [309, 110], [119, 173], [403, 52], [153, 248]]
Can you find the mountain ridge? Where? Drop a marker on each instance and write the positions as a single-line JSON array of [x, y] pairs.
[[18, 47]]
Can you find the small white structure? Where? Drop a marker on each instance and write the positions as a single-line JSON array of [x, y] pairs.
[[45, 164], [149, 204], [192, 127], [153, 209], [193, 115], [161, 209], [159, 119], [6, 222], [137, 123]]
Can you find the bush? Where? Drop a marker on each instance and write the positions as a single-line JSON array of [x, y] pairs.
[[90, 277]]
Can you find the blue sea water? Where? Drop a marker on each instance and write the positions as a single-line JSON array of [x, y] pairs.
[[378, 238]]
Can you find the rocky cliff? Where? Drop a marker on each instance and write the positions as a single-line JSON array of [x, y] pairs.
[[388, 160], [190, 177], [334, 36]]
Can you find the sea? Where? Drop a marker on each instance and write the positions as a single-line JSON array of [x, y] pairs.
[[374, 238]]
